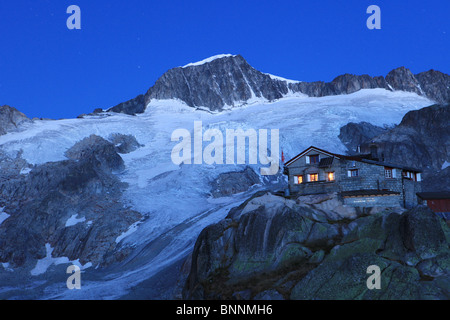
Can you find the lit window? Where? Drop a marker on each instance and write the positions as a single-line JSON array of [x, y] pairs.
[[330, 176], [314, 177], [298, 179]]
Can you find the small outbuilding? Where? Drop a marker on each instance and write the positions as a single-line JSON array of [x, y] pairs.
[[438, 202]]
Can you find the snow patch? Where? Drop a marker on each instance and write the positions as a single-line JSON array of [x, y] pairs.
[[43, 264], [73, 220], [130, 230], [445, 165], [6, 267], [281, 79], [207, 60], [25, 171], [3, 215]]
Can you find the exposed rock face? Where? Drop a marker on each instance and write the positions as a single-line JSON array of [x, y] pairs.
[[400, 245], [234, 182], [97, 149], [436, 180], [271, 246], [11, 119], [124, 143], [344, 84], [133, 106], [421, 140], [402, 79], [435, 85], [72, 205], [230, 81], [10, 168], [353, 134]]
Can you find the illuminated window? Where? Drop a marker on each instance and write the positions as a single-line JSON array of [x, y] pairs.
[[313, 177], [298, 179], [330, 176]]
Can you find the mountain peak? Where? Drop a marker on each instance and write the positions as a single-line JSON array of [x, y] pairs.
[[11, 119], [224, 81], [208, 60]]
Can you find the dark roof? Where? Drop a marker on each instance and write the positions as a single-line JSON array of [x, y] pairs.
[[326, 162], [306, 150], [367, 192], [434, 195], [353, 158], [390, 165]]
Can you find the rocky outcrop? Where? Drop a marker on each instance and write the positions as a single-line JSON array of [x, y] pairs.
[[234, 182], [11, 119], [419, 141], [133, 106], [229, 81], [435, 85], [354, 135], [98, 150], [74, 206], [124, 143], [316, 249], [436, 180], [402, 79]]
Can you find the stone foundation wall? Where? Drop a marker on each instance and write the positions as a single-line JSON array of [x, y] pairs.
[[374, 201]]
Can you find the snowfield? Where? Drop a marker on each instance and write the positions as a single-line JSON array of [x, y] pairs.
[[207, 60], [175, 199]]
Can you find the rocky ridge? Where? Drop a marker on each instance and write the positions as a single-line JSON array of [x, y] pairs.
[[230, 81]]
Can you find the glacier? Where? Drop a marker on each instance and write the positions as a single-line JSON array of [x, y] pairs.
[[175, 200]]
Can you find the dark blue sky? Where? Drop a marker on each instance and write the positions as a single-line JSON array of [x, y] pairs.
[[125, 46]]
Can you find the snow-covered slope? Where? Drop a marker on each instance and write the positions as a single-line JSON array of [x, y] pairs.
[[207, 60], [176, 200]]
